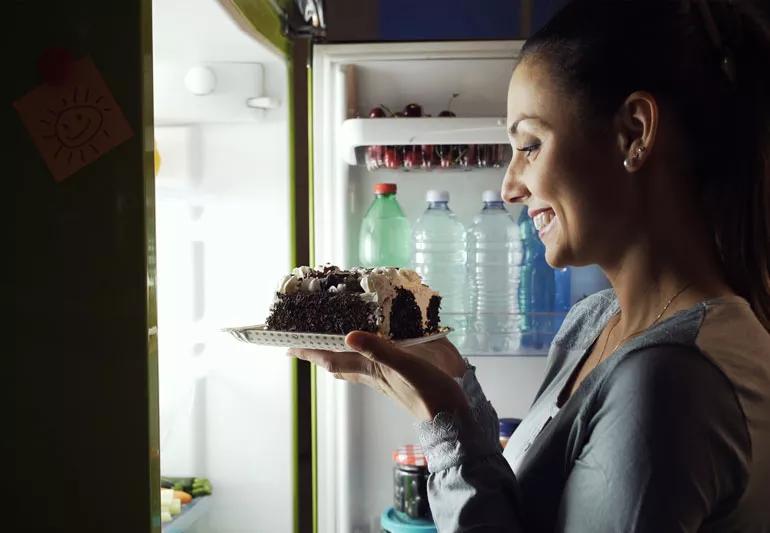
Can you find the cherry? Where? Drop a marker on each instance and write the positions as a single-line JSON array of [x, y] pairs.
[[392, 157], [412, 157], [428, 155], [377, 112], [373, 157], [446, 112], [413, 110]]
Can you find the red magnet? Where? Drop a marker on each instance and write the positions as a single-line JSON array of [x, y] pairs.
[[55, 65]]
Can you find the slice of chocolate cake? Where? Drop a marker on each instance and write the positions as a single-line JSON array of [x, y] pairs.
[[392, 302]]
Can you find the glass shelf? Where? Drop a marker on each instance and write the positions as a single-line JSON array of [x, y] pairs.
[[503, 334], [190, 514]]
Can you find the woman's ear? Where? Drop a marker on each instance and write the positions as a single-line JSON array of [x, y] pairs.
[[637, 123]]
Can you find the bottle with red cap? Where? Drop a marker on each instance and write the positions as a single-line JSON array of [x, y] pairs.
[[385, 239]]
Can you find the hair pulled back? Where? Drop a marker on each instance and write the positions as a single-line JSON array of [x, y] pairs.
[[709, 61]]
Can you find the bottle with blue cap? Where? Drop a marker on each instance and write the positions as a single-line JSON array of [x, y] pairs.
[[536, 289], [439, 256], [494, 259]]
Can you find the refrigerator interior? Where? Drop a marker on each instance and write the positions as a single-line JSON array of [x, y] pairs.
[[358, 428], [223, 238]]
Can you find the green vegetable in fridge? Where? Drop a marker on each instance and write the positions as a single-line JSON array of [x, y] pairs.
[[195, 486], [201, 487]]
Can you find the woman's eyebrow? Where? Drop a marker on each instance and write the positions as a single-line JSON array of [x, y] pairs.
[[512, 129]]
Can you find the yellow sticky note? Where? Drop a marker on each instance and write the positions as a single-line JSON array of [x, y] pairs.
[[73, 123]]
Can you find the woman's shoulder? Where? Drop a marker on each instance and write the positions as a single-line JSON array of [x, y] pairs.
[[586, 318], [720, 337]]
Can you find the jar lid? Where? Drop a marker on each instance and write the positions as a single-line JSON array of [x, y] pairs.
[[392, 522], [410, 455]]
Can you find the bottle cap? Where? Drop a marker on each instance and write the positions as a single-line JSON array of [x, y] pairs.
[[508, 426], [385, 188], [409, 455], [436, 196], [491, 196]]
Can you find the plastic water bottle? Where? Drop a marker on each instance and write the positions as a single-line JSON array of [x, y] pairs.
[[440, 258], [536, 289], [385, 239], [494, 260], [562, 298]]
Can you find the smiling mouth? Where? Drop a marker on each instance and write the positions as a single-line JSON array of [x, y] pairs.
[[78, 134], [544, 221]]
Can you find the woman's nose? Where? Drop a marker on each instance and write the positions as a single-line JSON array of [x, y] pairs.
[[513, 190]]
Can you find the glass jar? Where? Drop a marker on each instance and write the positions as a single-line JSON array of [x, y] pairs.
[[410, 483], [507, 427]]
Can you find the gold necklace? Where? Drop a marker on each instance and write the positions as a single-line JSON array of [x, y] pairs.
[[624, 339]]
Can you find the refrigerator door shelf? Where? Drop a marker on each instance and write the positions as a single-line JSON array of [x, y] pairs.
[[357, 132]]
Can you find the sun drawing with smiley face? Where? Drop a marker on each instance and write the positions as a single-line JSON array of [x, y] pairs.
[[76, 124]]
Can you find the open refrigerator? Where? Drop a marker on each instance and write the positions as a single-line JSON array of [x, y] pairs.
[[225, 236], [357, 429]]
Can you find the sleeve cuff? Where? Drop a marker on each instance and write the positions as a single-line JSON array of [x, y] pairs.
[[449, 439]]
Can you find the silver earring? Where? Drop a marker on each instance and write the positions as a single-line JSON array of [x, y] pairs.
[[639, 151]]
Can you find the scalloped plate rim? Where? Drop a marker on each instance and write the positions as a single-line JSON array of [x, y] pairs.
[[266, 337]]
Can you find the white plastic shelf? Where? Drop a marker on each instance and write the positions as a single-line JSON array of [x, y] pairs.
[[402, 131]]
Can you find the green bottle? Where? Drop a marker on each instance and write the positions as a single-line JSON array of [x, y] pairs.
[[386, 236]]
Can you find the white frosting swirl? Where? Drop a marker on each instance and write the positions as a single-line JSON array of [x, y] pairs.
[[302, 272], [289, 285]]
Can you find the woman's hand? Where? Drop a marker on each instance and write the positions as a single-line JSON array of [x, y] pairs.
[[418, 377]]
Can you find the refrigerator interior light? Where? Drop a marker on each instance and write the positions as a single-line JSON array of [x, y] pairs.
[[200, 80]]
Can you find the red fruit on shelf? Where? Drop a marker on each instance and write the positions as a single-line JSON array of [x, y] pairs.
[[391, 158], [497, 155], [374, 157], [377, 112], [467, 155], [413, 110], [412, 157], [446, 112], [428, 156]]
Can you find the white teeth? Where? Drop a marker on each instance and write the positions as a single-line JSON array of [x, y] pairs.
[[542, 219]]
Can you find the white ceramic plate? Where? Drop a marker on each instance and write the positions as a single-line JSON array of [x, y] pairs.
[[321, 341]]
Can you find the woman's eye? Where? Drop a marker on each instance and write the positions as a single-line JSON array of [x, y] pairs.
[[529, 148]]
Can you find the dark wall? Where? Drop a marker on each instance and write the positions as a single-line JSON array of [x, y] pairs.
[[435, 20], [85, 447]]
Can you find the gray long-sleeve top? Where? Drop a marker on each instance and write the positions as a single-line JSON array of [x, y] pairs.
[[671, 433]]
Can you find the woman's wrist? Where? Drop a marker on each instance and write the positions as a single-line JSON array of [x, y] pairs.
[[459, 368]]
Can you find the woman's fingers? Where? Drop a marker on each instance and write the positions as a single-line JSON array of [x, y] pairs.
[[419, 373], [334, 362]]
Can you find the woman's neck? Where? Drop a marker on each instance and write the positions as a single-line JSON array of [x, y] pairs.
[[653, 270]]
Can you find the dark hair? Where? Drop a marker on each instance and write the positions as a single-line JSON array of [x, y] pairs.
[[711, 65]]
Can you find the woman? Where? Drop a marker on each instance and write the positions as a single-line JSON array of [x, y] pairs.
[[640, 131]]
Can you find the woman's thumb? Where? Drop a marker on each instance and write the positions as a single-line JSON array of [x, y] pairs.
[[367, 344]]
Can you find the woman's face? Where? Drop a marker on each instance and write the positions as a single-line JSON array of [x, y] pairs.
[[568, 173]]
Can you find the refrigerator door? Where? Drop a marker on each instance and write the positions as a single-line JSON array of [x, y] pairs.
[[224, 236]]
